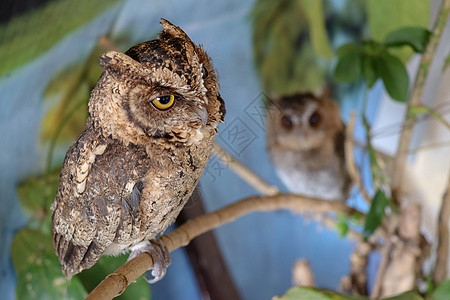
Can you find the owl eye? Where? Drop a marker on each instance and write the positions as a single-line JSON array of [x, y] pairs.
[[286, 122], [314, 119], [205, 72], [164, 102]]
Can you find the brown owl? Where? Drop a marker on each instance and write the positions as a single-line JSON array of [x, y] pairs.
[[305, 140], [152, 120]]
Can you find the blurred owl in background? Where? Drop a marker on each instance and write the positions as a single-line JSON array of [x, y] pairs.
[[305, 140], [152, 120]]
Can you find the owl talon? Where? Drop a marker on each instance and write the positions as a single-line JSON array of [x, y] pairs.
[[160, 255]]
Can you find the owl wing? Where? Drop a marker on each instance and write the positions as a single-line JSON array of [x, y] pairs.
[[92, 207]]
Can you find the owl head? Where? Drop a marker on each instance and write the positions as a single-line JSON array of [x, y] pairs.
[[163, 91], [302, 122]]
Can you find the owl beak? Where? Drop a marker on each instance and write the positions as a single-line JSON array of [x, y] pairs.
[[203, 114]]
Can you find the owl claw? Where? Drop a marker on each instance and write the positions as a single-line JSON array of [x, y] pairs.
[[160, 255]]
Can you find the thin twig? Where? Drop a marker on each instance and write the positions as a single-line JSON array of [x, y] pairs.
[[116, 283], [416, 98], [245, 173], [440, 268], [349, 156]]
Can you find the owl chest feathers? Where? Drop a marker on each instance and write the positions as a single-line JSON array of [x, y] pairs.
[[151, 182], [310, 174]]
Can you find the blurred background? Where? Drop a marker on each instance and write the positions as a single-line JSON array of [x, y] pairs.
[[49, 63]]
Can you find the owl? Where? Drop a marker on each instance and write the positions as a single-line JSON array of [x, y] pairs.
[[305, 141], [149, 133]]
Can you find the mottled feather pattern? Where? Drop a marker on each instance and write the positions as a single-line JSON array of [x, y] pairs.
[[131, 171]]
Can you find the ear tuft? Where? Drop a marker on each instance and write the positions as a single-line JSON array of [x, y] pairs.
[[121, 66], [172, 30]]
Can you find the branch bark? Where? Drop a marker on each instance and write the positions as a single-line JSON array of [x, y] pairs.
[[440, 268], [400, 273], [356, 282], [115, 284]]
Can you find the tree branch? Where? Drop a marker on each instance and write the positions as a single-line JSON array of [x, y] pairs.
[[115, 284], [440, 268], [269, 190], [356, 282], [401, 271], [416, 99]]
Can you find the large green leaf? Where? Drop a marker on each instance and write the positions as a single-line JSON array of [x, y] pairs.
[[315, 14], [29, 35], [442, 291], [415, 37], [283, 53], [376, 213], [369, 72], [36, 195], [348, 67], [406, 296], [296, 293], [394, 75], [385, 16], [39, 274]]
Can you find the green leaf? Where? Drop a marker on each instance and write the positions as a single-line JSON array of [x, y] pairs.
[[90, 278], [283, 52], [315, 15], [415, 37], [302, 293], [342, 228], [442, 291], [350, 49], [36, 195], [385, 16], [376, 213], [369, 72], [393, 73], [348, 67], [39, 274], [31, 34], [342, 224], [410, 295]]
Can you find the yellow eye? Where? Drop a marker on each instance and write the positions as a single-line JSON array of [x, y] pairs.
[[164, 102]]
